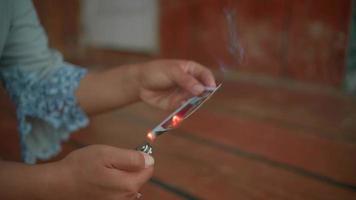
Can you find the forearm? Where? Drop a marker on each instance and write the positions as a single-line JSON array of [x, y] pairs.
[[20, 181], [102, 91]]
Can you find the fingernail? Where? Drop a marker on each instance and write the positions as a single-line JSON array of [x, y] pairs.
[[149, 161], [198, 89], [138, 195]]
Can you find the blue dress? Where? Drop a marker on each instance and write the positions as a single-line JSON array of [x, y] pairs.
[[39, 82]]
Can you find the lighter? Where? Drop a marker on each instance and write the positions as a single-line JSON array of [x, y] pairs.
[[175, 118]]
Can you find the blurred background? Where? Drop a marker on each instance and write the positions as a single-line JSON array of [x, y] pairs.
[[283, 125]]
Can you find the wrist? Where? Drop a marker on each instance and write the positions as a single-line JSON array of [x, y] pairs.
[[111, 89], [126, 85], [53, 181], [20, 181], [131, 80]]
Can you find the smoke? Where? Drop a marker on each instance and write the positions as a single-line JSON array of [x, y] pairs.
[[225, 50], [234, 46], [235, 52]]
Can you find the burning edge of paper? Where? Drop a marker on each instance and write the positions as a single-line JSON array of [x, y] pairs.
[[182, 113]]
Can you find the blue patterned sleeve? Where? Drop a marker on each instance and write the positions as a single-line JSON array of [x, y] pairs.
[[39, 82], [47, 109]]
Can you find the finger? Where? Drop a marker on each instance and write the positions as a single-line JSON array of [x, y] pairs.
[[199, 71], [129, 160], [138, 196], [186, 81], [178, 98], [141, 177], [133, 181]]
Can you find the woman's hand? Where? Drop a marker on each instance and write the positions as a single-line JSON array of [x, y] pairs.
[[91, 173], [99, 172], [161, 83], [167, 83]]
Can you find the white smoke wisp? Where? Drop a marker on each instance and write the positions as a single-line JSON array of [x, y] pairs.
[[235, 50]]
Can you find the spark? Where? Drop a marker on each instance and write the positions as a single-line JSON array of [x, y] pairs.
[[176, 120], [151, 136]]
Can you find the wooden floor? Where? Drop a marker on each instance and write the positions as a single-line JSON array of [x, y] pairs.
[[253, 140]]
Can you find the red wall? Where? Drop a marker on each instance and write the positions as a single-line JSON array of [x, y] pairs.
[[298, 39]]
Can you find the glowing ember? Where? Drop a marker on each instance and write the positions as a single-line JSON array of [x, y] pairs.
[[151, 136], [176, 120]]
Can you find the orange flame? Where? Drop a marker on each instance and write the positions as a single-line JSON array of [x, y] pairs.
[[151, 136], [176, 120]]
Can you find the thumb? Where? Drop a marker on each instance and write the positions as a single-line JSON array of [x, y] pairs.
[[130, 160]]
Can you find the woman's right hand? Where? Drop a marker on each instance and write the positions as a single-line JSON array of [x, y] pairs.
[[98, 172]]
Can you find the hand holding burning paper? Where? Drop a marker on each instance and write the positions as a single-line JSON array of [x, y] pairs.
[[167, 83]]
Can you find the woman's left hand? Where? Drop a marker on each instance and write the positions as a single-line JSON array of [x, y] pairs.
[[168, 83], [164, 84]]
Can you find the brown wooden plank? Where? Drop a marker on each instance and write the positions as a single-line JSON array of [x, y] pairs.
[[330, 154], [327, 114], [153, 192], [209, 172], [298, 148]]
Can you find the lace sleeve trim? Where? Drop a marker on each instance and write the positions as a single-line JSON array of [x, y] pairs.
[[47, 109]]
